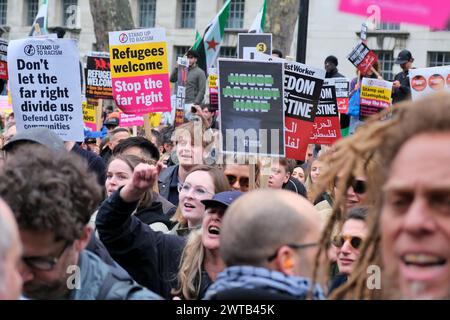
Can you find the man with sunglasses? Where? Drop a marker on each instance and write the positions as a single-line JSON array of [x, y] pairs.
[[52, 197], [348, 243], [269, 251], [238, 176]]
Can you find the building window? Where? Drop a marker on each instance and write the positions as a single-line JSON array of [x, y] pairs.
[[179, 51], [386, 62], [388, 26], [3, 10], [69, 13], [187, 14], [236, 17], [32, 11], [228, 52], [147, 13], [437, 59]]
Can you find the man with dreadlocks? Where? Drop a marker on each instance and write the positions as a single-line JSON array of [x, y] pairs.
[[409, 225]]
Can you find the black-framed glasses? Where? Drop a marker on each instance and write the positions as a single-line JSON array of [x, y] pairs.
[[359, 186], [42, 263], [294, 246], [243, 181], [355, 242]]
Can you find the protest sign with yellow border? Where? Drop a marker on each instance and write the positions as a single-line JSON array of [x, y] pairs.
[[139, 70], [375, 96]]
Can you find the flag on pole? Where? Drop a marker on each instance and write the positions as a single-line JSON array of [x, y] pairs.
[[208, 47], [260, 20], [198, 40], [40, 22]]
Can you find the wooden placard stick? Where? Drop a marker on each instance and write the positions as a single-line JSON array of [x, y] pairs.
[[376, 72], [98, 113], [148, 127], [252, 174]]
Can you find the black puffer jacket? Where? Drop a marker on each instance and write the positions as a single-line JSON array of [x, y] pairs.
[[160, 211], [151, 258]]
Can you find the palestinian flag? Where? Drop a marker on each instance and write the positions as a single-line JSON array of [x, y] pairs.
[[260, 20], [208, 47], [40, 20]]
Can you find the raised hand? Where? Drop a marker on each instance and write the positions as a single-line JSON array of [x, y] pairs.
[[144, 177]]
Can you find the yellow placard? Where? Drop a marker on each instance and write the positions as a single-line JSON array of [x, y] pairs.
[[154, 119], [212, 79], [88, 113], [261, 47], [376, 93], [138, 59]]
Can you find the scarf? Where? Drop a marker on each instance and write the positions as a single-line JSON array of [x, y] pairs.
[[249, 277]]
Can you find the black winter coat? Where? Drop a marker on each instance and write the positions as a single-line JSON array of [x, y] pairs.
[[151, 258]]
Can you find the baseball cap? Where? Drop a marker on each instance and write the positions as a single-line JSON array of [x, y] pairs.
[[90, 140], [403, 57], [225, 198], [40, 135], [112, 122]]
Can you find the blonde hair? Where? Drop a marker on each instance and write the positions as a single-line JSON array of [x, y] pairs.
[[314, 190], [191, 265]]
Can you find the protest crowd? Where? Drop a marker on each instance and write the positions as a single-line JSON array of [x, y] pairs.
[[258, 178]]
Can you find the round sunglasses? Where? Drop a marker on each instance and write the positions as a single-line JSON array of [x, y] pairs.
[[355, 242]]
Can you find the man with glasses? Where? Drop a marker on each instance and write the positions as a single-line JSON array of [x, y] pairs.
[[52, 197], [269, 250], [348, 243]]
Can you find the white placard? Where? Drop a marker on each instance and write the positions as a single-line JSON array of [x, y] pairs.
[[429, 80], [45, 86]]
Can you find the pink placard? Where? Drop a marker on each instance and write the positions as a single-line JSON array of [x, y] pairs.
[[91, 126], [142, 94], [130, 120], [435, 14]]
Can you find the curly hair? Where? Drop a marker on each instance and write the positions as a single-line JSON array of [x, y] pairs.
[[49, 191]]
